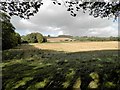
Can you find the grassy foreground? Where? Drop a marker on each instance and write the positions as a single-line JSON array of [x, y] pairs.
[[33, 69]]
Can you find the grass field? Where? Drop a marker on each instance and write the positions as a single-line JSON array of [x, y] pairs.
[[36, 66]]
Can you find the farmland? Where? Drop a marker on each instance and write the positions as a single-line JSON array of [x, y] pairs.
[[78, 46], [75, 65]]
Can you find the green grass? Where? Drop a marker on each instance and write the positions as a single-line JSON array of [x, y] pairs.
[[35, 69]]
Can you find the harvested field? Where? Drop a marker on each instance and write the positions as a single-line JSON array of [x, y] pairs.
[[78, 46]]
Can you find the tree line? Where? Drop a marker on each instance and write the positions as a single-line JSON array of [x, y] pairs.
[[86, 38], [10, 38]]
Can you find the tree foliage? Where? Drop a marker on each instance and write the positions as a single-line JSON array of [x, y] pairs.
[[34, 38], [97, 9], [18, 38], [9, 37]]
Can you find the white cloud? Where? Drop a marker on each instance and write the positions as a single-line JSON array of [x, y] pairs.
[[25, 22], [60, 33], [55, 20]]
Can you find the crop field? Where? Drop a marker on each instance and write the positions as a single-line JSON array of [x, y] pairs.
[[69, 66], [78, 46]]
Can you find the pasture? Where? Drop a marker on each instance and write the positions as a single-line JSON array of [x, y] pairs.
[[83, 65]]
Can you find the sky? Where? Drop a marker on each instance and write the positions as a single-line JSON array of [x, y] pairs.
[[55, 20]]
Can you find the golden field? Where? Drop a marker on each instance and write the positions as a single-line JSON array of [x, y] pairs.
[[78, 46]]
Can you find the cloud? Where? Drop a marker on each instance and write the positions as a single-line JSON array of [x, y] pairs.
[[56, 20]]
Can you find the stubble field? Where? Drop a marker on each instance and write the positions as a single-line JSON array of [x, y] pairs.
[[78, 46]]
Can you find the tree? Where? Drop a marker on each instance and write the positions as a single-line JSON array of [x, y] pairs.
[[24, 39], [18, 38], [49, 36], [9, 37], [45, 39], [97, 9], [34, 38], [31, 38], [39, 37]]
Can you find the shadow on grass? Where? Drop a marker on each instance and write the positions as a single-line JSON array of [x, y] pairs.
[[33, 69]]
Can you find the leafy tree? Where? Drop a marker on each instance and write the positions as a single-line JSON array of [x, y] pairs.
[[49, 36], [18, 38], [9, 37], [31, 38], [97, 9], [24, 39], [45, 39], [39, 37], [34, 38]]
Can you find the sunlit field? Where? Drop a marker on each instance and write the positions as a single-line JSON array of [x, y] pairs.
[[80, 65], [77, 46]]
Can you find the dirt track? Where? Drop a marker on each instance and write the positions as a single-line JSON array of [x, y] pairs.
[[78, 46]]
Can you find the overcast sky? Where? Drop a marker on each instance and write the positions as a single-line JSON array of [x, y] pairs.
[[55, 20]]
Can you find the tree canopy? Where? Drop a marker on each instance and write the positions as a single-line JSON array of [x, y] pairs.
[[34, 38], [97, 9]]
